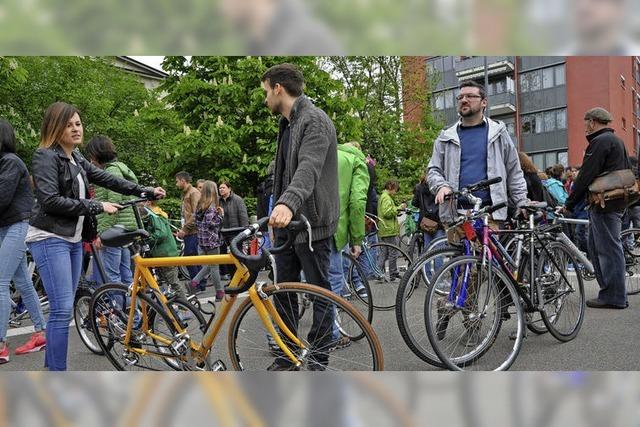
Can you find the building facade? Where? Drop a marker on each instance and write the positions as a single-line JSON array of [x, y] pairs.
[[542, 99]]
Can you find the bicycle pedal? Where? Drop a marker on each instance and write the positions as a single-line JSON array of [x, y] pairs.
[[218, 365]]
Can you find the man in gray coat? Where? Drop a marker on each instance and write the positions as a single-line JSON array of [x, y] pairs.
[[306, 182], [474, 149]]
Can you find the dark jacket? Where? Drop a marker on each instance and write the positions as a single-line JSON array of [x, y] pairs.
[[307, 182], [16, 197], [235, 211], [534, 186], [605, 153], [372, 196], [424, 200], [265, 190], [57, 190]]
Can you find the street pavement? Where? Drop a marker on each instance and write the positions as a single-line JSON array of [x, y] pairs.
[[607, 341]]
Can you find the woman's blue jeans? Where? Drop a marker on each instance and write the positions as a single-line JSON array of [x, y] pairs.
[[59, 264]]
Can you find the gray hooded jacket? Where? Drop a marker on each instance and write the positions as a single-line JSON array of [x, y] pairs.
[[502, 161]]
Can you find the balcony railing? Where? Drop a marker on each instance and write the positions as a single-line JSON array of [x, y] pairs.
[[472, 68], [502, 103]]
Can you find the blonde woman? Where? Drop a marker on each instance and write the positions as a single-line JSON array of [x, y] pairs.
[[209, 223], [57, 227]]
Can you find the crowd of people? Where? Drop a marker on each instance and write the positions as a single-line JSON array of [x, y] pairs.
[[331, 184]]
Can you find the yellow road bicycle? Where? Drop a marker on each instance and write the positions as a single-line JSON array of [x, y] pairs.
[[138, 330]]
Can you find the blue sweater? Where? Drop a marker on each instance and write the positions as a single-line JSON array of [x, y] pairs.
[[473, 158]]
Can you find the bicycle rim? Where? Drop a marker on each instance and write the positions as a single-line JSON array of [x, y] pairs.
[[410, 305], [383, 281], [475, 336], [248, 343], [109, 314], [84, 326], [564, 298]]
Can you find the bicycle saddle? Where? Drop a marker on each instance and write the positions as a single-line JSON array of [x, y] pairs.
[[117, 236]]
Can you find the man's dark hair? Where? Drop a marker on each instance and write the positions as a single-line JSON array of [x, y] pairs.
[[101, 149], [227, 183], [288, 76], [471, 83], [7, 137], [391, 184], [184, 175], [556, 171]]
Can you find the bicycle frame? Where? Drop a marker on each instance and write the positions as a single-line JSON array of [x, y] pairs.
[[143, 279]]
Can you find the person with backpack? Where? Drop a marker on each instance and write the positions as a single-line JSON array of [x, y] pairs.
[[162, 243], [554, 185]]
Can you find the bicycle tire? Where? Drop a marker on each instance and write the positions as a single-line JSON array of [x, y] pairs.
[[534, 319], [550, 289], [248, 349], [110, 319], [384, 287], [355, 296], [410, 316], [632, 260], [505, 297], [81, 308]]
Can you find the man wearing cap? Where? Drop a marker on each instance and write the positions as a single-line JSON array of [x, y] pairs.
[[605, 153]]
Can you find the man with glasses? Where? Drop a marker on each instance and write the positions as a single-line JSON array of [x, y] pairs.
[[474, 149]]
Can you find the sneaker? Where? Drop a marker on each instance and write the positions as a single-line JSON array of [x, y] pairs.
[[282, 365], [341, 342], [444, 314], [36, 343], [219, 295], [195, 288], [362, 293], [4, 355]]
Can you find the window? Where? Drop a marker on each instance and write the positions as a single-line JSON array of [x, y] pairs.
[[510, 85], [449, 101], [534, 81], [524, 83], [550, 159], [439, 101], [624, 123], [563, 158], [538, 160], [623, 81], [549, 121], [538, 124], [511, 128], [559, 75], [547, 78], [526, 124], [561, 119]]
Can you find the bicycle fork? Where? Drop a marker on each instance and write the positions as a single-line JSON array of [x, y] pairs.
[[267, 311]]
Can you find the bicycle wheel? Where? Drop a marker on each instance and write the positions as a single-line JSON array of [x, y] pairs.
[[84, 326], [248, 344], [109, 312], [473, 327], [358, 292], [191, 320], [410, 302], [534, 320], [383, 284], [631, 243], [562, 295]]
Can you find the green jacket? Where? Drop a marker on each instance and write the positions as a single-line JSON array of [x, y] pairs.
[[160, 236], [353, 185], [388, 225], [125, 217]]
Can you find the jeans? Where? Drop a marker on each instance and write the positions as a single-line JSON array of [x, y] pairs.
[[13, 266], [190, 249], [362, 259], [438, 262], [59, 264], [213, 271], [316, 270], [607, 256], [117, 266]]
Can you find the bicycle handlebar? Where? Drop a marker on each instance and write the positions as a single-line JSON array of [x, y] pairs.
[[145, 198]]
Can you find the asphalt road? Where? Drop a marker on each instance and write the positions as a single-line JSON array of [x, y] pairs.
[[607, 341]]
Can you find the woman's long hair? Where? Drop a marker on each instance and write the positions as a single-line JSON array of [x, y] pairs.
[[526, 163], [209, 196], [55, 122]]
